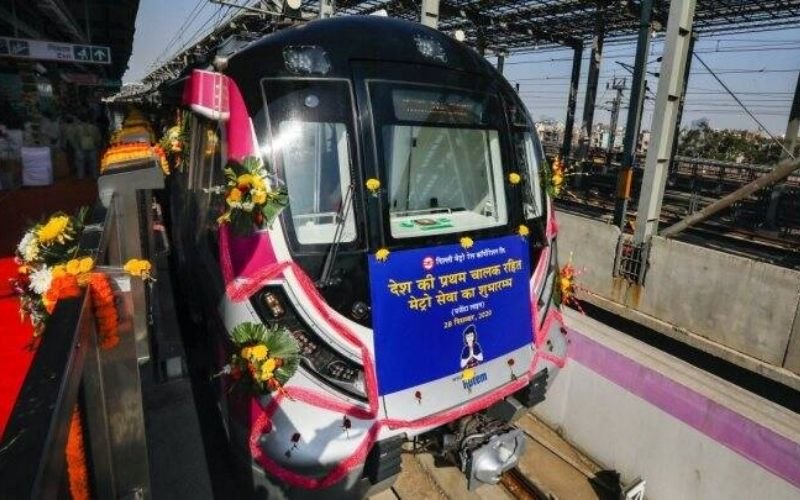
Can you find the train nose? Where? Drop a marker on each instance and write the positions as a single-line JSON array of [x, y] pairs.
[[488, 462]]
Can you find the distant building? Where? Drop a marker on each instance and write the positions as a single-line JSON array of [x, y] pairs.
[[551, 132], [644, 141]]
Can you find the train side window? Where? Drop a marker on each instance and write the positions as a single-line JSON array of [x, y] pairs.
[[527, 153], [209, 173]]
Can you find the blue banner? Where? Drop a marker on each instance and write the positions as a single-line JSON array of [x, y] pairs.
[[440, 310]]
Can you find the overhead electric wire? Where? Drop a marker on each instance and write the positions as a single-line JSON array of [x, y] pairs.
[[729, 91], [186, 23]]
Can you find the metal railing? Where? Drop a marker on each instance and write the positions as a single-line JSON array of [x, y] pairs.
[[72, 368]]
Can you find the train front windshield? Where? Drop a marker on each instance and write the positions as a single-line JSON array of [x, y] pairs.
[[440, 150]]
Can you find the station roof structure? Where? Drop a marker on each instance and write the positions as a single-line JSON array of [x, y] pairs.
[[108, 23], [499, 26], [519, 25]]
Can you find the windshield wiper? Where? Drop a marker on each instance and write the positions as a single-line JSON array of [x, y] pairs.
[[325, 279]]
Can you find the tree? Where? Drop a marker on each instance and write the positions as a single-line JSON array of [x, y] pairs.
[[738, 146]]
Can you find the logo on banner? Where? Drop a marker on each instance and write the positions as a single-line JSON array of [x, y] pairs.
[[427, 263]]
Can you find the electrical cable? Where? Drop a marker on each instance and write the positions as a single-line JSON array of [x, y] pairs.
[[729, 91]]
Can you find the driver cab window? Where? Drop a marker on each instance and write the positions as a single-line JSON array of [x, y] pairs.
[[310, 124]]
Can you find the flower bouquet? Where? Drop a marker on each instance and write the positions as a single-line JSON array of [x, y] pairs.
[[249, 202], [175, 142], [42, 276], [264, 359]]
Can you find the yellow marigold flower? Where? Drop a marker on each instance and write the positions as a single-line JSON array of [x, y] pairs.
[[268, 369], [53, 230], [244, 180], [466, 242], [86, 264], [138, 267], [382, 255], [245, 352], [59, 271], [514, 178], [234, 195], [523, 230], [468, 374], [258, 182], [259, 352], [373, 184], [259, 197], [74, 267]]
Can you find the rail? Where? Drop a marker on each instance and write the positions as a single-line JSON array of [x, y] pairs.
[[78, 385]]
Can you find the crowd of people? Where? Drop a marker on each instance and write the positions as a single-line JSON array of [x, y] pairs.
[[76, 137]]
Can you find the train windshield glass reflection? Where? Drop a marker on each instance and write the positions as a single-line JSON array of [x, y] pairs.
[[441, 155], [311, 123]]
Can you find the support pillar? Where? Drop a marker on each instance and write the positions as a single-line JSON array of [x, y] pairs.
[[592, 80], [687, 70], [793, 127], [668, 99], [326, 8], [569, 124], [790, 144], [625, 173], [429, 16], [501, 59]]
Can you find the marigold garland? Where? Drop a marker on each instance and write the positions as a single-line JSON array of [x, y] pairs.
[[77, 471], [122, 153], [105, 310]]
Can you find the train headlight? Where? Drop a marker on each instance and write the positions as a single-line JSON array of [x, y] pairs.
[[306, 60], [273, 305], [430, 48]]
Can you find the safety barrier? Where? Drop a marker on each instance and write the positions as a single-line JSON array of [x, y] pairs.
[[81, 389]]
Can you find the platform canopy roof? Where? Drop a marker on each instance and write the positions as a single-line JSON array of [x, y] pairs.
[[499, 26], [518, 25], [107, 23]]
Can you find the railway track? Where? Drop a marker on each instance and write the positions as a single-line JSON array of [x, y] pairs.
[[550, 469], [713, 233]]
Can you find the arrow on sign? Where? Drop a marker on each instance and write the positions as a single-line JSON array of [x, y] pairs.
[[100, 55]]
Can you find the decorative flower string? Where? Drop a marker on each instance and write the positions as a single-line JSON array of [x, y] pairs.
[[567, 287], [555, 176], [105, 310], [77, 471]]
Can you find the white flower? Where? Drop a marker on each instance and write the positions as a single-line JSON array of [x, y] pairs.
[[28, 246], [248, 206], [40, 280]]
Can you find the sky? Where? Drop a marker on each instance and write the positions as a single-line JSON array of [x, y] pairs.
[[760, 68]]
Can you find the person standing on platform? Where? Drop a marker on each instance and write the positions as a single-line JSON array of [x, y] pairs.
[[86, 141]]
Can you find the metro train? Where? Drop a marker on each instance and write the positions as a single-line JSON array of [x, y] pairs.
[[415, 263]]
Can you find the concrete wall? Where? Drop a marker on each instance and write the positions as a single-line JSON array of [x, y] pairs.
[[732, 306], [688, 434]]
